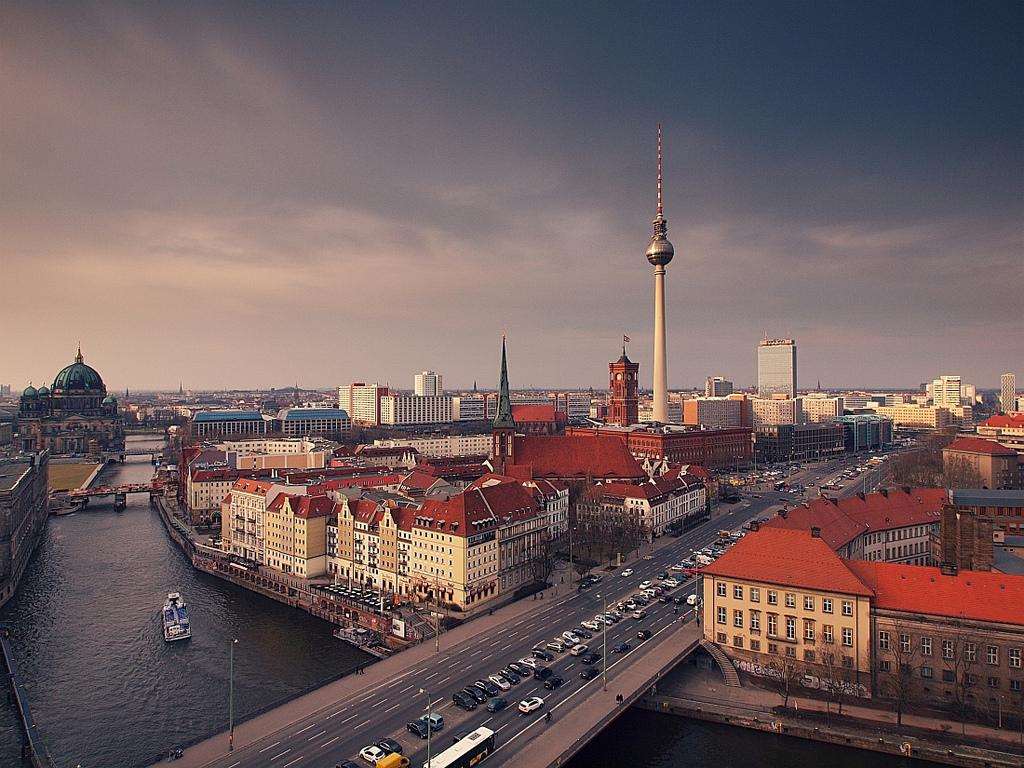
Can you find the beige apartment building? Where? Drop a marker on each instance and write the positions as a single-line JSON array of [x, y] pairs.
[[373, 542], [295, 539], [919, 416]]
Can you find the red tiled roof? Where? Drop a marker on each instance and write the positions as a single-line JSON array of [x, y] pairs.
[[527, 413], [477, 509], [312, 506], [979, 445], [788, 558], [565, 456], [975, 595], [380, 450], [653, 490], [1011, 420], [247, 485], [419, 480], [843, 520]]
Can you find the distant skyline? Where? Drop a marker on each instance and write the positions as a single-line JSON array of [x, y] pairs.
[[233, 196]]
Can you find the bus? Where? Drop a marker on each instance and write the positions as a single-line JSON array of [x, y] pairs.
[[466, 752]]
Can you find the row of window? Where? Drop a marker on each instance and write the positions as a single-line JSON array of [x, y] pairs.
[[790, 622], [968, 650], [809, 601]]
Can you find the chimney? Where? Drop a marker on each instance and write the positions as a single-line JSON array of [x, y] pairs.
[[755, 526], [815, 532], [783, 513], [884, 492], [906, 489], [948, 569], [860, 495]]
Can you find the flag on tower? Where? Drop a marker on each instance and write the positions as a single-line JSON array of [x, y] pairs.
[[625, 339]]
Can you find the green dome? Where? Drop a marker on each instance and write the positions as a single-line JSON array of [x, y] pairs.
[[79, 376], [42, 392], [29, 391], [110, 400]]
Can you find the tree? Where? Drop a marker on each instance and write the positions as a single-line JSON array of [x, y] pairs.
[[543, 561], [784, 674], [899, 684], [960, 656], [958, 472], [836, 683]]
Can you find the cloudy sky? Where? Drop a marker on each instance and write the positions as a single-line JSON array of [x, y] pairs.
[[259, 194]]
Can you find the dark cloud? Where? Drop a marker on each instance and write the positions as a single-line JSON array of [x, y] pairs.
[[254, 194]]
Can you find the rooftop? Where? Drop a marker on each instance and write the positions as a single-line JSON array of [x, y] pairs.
[[983, 497], [979, 445], [228, 416], [11, 473], [303, 414]]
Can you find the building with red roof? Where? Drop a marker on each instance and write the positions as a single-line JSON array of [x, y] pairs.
[[995, 465], [672, 501], [532, 419], [782, 598]]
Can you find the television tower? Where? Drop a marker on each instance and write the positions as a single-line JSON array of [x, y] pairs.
[[660, 253]]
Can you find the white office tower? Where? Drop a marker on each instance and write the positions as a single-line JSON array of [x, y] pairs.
[[428, 384], [776, 368]]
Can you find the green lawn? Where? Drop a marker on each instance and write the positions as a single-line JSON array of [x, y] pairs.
[[64, 477]]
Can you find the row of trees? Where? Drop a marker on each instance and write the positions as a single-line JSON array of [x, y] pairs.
[[924, 466]]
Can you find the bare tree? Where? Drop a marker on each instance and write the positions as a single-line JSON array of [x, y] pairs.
[[835, 683], [960, 656], [899, 683], [958, 472], [784, 675]]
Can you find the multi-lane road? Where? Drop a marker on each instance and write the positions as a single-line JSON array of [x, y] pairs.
[[337, 733]]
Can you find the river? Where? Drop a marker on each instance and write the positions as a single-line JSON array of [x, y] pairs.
[[107, 692]]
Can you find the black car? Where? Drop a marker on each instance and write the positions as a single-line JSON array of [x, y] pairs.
[[522, 669], [553, 682], [679, 600], [511, 675], [463, 700], [663, 575], [621, 648], [586, 634], [348, 764], [420, 726], [541, 673], [479, 696], [540, 653], [488, 687], [497, 704], [589, 673], [664, 599], [390, 746], [643, 634], [592, 657]]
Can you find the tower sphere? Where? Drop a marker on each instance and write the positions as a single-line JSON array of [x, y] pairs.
[[660, 251]]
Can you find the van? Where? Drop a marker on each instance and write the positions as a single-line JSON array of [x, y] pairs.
[[394, 760]]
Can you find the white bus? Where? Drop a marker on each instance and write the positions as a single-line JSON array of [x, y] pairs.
[[466, 752]]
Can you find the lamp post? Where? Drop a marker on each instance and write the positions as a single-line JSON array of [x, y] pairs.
[[429, 728], [604, 646], [231, 695]]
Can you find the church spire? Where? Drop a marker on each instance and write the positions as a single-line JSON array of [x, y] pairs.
[[503, 418], [78, 357]]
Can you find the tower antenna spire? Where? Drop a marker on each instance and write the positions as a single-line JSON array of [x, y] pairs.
[[661, 209]]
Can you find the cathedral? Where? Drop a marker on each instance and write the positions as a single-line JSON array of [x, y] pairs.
[[74, 416]]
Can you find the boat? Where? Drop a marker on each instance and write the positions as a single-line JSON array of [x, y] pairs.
[[175, 618]]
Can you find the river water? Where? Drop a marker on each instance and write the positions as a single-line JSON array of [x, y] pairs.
[[107, 692]]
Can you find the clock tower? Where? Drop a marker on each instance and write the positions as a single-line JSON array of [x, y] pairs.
[[623, 407]]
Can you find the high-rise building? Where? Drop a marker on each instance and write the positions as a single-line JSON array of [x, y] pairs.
[[659, 254], [428, 384], [946, 391], [776, 367], [717, 386], [362, 402], [1007, 392], [820, 409], [777, 410], [623, 404]]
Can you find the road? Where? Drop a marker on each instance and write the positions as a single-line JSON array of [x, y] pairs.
[[338, 732]]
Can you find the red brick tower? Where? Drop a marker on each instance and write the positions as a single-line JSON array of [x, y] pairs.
[[623, 406]]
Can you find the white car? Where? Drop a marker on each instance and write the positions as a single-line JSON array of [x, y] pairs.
[[529, 661], [532, 704], [627, 572], [691, 599], [644, 584], [499, 681], [677, 567], [608, 621], [555, 645], [372, 754], [579, 649], [571, 637], [670, 583], [593, 626]]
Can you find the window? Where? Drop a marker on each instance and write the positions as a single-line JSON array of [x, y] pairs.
[[809, 631], [847, 608], [848, 662], [904, 643], [828, 633], [737, 641], [791, 628], [721, 614], [808, 603], [773, 597], [721, 587], [755, 621], [883, 640], [755, 594], [948, 676], [826, 604], [884, 665], [970, 652], [848, 637], [773, 625], [993, 682], [808, 654], [947, 649], [992, 655], [790, 600], [927, 673], [755, 645], [773, 648], [926, 646], [1014, 656], [737, 592], [720, 637], [1015, 686], [791, 651], [737, 619]]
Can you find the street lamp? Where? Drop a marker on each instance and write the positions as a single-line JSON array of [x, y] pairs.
[[604, 646], [429, 724], [231, 695]]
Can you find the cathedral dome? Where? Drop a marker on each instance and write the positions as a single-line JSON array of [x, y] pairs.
[[110, 400], [42, 392], [29, 392], [79, 376]]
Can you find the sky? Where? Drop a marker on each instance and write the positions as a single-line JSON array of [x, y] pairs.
[[264, 194]]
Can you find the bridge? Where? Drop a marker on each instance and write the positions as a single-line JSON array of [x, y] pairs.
[[119, 492], [331, 724]]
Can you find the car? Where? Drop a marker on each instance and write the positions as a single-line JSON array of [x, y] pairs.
[[643, 634], [500, 681], [463, 700], [553, 682], [680, 567], [579, 649], [678, 599], [648, 557], [497, 704], [641, 600], [511, 675], [523, 670], [691, 599], [348, 764], [372, 754], [664, 599], [542, 655], [590, 658], [591, 625], [532, 704], [570, 637], [629, 606], [588, 673], [390, 746], [663, 575], [644, 584], [621, 648], [641, 614], [529, 663], [423, 725], [475, 693], [542, 673], [556, 645], [584, 634], [656, 591], [670, 583], [489, 687], [626, 573], [616, 616]]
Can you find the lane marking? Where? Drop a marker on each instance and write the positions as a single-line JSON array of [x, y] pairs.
[[276, 743], [350, 717], [362, 723], [303, 730], [280, 754], [329, 742], [293, 762], [392, 709], [316, 736]]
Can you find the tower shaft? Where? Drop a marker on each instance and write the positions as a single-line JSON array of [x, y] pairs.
[[660, 353]]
